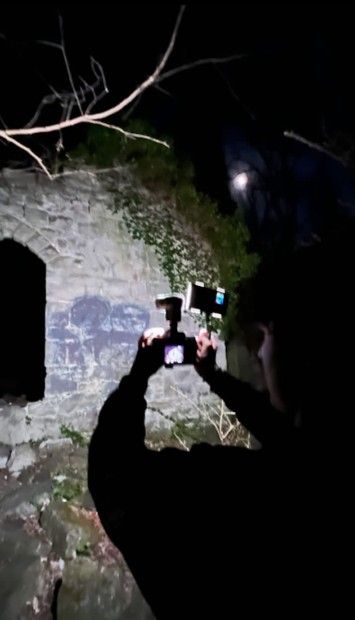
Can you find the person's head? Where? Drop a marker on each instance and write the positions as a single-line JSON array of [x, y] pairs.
[[303, 305]]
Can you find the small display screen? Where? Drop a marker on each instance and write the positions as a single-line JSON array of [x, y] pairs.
[[213, 301], [219, 298], [174, 354]]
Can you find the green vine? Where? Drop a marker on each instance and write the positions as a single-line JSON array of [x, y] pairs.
[[65, 489], [161, 206], [77, 438]]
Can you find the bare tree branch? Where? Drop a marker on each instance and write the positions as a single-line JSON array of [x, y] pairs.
[[3, 122], [129, 134], [68, 99], [47, 100], [50, 44], [77, 97], [95, 99], [70, 76], [234, 94], [99, 75], [30, 152], [86, 118], [198, 63], [225, 423], [163, 90], [186, 67], [182, 443], [315, 146], [127, 113], [7, 134]]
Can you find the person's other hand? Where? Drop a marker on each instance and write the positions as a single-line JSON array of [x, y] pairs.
[[149, 358], [206, 353]]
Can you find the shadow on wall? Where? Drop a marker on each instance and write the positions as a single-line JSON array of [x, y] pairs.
[[93, 338]]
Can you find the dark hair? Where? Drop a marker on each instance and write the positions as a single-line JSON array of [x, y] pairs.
[[307, 297]]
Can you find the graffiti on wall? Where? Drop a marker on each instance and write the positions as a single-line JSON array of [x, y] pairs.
[[93, 338]]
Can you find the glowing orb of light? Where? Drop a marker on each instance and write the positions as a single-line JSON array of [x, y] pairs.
[[240, 181]]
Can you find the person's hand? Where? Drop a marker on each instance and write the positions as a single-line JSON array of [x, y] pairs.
[[206, 353], [149, 358]]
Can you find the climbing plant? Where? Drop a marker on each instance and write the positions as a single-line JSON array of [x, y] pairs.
[[161, 206]]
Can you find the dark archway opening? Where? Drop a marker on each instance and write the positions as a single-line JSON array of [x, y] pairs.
[[22, 322]]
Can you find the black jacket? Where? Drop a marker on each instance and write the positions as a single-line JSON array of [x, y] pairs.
[[214, 532]]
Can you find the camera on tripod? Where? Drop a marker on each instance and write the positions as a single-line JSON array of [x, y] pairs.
[[177, 348]]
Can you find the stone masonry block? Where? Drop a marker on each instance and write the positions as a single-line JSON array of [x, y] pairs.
[[36, 217], [13, 209], [88, 253], [61, 222], [22, 232], [36, 243], [48, 253]]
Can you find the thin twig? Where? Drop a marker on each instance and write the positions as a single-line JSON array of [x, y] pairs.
[[30, 152], [7, 134], [66, 62], [127, 113], [182, 443], [86, 118], [67, 99], [3, 122], [313, 145], [198, 63], [129, 134], [234, 94]]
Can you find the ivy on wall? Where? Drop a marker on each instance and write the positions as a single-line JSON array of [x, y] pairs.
[[161, 206]]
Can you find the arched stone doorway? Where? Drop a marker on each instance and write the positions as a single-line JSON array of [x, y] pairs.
[[22, 322]]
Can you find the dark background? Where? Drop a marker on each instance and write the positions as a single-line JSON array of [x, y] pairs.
[[296, 74]]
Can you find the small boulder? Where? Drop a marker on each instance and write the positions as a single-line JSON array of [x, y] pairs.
[[21, 457]]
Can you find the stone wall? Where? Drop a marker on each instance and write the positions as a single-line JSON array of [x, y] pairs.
[[100, 290]]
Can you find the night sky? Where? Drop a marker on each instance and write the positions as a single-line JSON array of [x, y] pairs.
[[296, 73]]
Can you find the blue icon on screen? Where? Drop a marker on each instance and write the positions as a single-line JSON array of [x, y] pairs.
[[219, 298]]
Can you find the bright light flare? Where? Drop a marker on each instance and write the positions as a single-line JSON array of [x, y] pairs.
[[240, 181]]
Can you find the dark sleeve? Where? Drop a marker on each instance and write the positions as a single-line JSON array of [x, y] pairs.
[[117, 445], [252, 407], [121, 418], [121, 469], [151, 502]]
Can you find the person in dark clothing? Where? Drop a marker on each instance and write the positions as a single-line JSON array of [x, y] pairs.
[[224, 532]]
